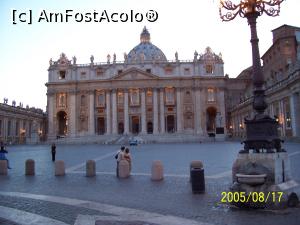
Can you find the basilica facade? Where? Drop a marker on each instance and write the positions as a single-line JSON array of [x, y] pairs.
[[144, 94]]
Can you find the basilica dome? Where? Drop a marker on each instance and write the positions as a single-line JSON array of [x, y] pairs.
[[145, 51]]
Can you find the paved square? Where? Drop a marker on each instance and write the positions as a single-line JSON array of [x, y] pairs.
[[76, 199]]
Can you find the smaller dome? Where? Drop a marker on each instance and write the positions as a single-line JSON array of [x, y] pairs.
[[145, 51]]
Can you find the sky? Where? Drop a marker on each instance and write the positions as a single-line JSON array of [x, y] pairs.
[[182, 26]]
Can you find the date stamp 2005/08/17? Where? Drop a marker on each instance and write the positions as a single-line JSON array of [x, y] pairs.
[[243, 197]]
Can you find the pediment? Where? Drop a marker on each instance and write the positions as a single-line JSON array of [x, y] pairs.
[[135, 74]]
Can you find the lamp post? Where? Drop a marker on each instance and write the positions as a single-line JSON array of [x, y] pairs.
[[261, 130]]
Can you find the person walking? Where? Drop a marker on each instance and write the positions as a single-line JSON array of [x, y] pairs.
[[2, 154], [127, 157], [119, 156], [53, 151]]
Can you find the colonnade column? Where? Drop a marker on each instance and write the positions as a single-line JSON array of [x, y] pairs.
[[295, 113], [114, 112], [178, 110], [143, 111], [108, 112], [155, 112], [162, 111], [92, 113], [126, 113], [282, 117]]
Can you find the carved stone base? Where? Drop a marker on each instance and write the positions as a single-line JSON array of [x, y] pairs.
[[262, 134]]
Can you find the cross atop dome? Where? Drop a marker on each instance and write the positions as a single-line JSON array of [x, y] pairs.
[[145, 35]]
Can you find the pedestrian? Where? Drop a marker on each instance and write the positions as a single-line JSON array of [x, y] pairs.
[[2, 154], [53, 151], [119, 156], [127, 157]]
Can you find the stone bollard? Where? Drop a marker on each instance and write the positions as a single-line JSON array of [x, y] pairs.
[[29, 167], [3, 167], [195, 164], [59, 168], [157, 171], [124, 171], [90, 168]]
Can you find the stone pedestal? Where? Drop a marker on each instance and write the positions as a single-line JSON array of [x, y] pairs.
[[264, 175], [90, 168], [3, 167], [124, 171], [275, 165], [29, 167], [59, 168], [157, 171]]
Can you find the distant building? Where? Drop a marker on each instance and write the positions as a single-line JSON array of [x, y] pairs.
[[144, 94], [20, 125], [281, 68]]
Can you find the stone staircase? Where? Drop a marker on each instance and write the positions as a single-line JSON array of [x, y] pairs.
[[142, 138]]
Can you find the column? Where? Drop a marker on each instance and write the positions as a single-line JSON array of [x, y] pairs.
[[155, 112], [126, 113], [162, 111], [221, 104], [271, 110], [13, 126], [143, 111], [197, 111], [51, 118], [72, 114], [282, 117], [202, 112], [114, 113], [295, 114], [178, 110], [5, 129], [92, 113], [108, 112]]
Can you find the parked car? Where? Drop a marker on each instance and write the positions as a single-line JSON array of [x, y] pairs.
[[133, 142]]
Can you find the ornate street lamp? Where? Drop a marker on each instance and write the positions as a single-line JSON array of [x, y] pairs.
[[261, 131]]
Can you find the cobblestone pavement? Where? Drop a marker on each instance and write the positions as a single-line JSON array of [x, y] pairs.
[[168, 200]]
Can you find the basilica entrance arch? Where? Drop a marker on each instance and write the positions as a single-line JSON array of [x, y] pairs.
[[170, 123], [135, 124], [211, 113], [149, 127], [121, 128], [62, 123], [100, 125]]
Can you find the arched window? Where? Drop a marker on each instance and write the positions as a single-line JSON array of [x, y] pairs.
[[170, 96], [120, 97], [210, 95], [62, 100], [149, 97], [101, 98], [134, 97], [209, 69]]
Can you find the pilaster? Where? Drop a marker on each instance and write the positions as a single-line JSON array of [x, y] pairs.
[[108, 112], [126, 113], [162, 111], [92, 113], [114, 112], [143, 111], [178, 110], [155, 112]]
